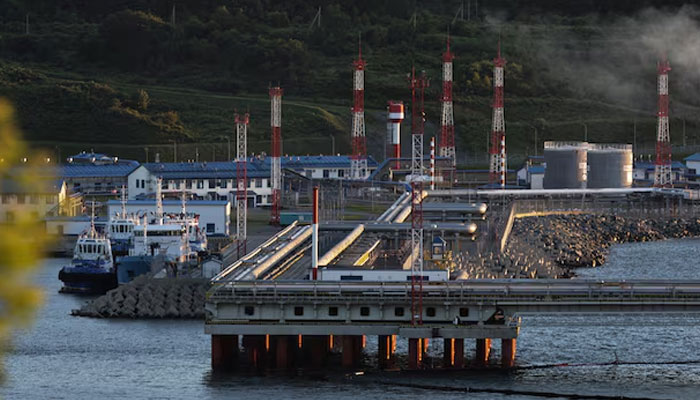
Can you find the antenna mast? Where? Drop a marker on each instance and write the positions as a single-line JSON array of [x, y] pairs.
[[358, 162], [276, 162], [242, 182], [497, 152], [447, 127], [662, 170]]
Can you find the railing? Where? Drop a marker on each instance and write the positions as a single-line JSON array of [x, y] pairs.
[[503, 290]]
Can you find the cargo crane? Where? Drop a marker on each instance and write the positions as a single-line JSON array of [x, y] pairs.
[[662, 170]]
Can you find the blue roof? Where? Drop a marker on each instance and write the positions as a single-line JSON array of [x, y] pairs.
[[693, 157], [650, 165], [122, 169], [256, 167]]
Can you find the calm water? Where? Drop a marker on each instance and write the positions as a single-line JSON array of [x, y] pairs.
[[64, 357]]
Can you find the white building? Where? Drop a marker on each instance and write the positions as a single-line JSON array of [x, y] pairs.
[[217, 180], [214, 215]]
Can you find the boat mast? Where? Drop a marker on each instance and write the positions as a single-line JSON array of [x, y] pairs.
[[159, 202]]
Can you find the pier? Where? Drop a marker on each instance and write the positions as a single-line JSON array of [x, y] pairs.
[[318, 317]]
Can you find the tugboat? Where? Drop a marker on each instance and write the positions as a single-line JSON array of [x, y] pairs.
[[92, 269]]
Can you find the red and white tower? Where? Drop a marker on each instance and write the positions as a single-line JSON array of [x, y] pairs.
[[497, 152], [358, 161], [395, 115], [447, 126], [662, 172], [275, 160], [241, 182]]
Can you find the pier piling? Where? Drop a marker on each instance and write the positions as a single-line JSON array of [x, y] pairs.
[[508, 349], [483, 350], [224, 352]]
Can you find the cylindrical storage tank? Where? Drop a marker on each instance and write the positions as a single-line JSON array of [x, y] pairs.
[[609, 165], [566, 165]]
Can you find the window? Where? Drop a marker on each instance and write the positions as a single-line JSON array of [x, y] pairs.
[[350, 277], [309, 173], [326, 173], [177, 185], [298, 311], [34, 199], [341, 173], [464, 312], [59, 229], [398, 311], [137, 184], [143, 183], [212, 183], [258, 183], [333, 311], [200, 184], [211, 228], [258, 199], [164, 184], [430, 311], [364, 311], [249, 310], [5, 198], [20, 199], [222, 183], [51, 199]]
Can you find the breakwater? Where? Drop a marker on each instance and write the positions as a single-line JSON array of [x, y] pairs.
[[583, 240], [150, 298]]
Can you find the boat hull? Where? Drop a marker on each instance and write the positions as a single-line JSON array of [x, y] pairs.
[[87, 280]]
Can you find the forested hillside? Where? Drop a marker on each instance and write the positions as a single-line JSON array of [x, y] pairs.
[[128, 72]]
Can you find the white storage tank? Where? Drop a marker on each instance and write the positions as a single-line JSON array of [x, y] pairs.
[[566, 165], [609, 165]]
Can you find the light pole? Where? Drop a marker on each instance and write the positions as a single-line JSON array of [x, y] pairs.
[[332, 145]]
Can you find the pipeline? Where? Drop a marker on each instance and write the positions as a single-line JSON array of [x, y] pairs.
[[236, 264], [341, 246], [274, 257]]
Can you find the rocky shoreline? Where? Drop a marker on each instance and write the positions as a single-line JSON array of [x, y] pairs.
[[583, 240], [145, 298]]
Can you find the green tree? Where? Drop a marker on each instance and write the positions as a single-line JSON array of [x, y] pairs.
[[19, 254]]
